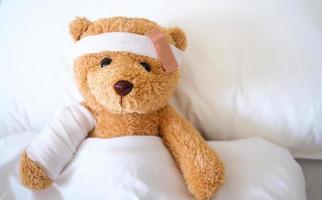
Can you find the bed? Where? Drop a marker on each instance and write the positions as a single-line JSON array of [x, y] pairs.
[[129, 168], [260, 62]]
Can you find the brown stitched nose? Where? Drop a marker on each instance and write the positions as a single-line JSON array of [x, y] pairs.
[[123, 87]]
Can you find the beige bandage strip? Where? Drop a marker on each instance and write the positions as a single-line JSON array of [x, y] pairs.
[[163, 49]]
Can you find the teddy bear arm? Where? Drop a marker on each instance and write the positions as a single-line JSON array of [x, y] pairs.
[[33, 176], [201, 168], [55, 146]]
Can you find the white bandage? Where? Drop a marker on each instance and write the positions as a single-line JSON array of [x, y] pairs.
[[121, 41], [55, 146]]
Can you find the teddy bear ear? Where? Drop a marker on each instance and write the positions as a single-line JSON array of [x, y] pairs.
[[179, 37], [78, 26]]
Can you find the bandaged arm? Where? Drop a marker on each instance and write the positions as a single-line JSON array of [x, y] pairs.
[[55, 146]]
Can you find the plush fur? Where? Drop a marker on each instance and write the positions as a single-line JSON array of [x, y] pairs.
[[32, 175], [144, 111]]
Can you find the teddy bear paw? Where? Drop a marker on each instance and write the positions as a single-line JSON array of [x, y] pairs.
[[32, 176]]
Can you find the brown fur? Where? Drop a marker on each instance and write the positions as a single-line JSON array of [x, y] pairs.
[[144, 111], [151, 92], [200, 166], [114, 125], [32, 175]]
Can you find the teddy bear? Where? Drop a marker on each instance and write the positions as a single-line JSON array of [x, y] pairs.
[[127, 93]]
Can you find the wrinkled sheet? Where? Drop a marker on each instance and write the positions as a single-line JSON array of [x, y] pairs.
[[140, 167]]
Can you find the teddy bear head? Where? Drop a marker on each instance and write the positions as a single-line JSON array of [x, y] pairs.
[[119, 81]]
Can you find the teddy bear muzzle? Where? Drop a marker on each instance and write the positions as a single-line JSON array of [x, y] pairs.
[[123, 87]]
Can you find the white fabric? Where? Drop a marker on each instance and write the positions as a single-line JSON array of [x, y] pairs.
[[140, 167], [120, 41], [251, 67], [55, 146]]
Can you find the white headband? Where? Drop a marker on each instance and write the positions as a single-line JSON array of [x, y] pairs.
[[121, 41]]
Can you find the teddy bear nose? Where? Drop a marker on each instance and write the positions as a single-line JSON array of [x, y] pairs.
[[123, 87]]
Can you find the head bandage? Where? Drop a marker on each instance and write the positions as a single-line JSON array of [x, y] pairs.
[[133, 43]]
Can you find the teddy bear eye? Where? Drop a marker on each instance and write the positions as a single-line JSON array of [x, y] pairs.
[[105, 61], [146, 66]]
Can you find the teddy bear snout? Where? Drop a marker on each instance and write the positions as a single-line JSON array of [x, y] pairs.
[[123, 87]]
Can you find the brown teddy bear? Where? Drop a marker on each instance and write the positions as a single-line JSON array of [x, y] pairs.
[[128, 94]]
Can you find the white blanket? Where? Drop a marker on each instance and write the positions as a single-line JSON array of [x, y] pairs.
[[140, 167]]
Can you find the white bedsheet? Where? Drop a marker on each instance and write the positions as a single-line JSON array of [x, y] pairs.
[[140, 167]]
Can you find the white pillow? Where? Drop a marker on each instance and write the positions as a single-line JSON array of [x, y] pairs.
[[256, 70], [140, 167], [251, 68]]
